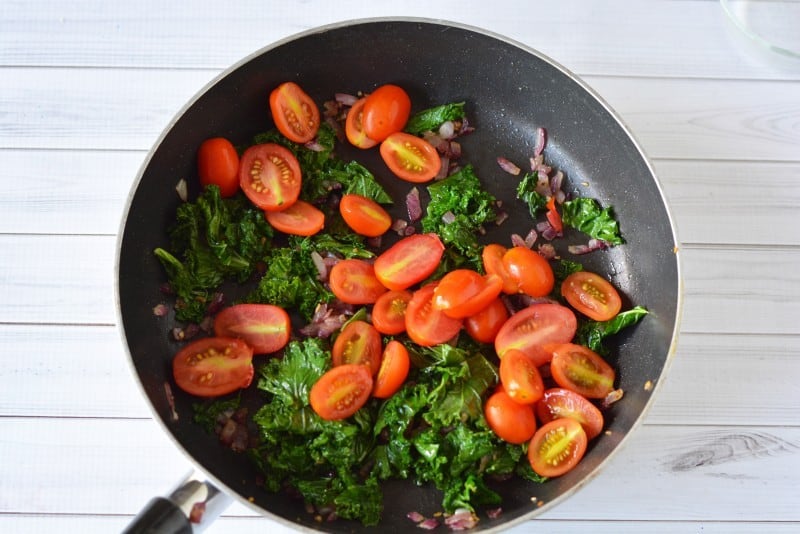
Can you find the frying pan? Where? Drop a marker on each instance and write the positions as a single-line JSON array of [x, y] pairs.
[[509, 90]]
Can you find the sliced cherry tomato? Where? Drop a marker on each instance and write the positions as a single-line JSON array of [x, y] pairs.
[[353, 281], [218, 164], [464, 292], [354, 126], [213, 366], [484, 325], [426, 325], [582, 370], [537, 325], [511, 421], [557, 447], [520, 377], [264, 327], [410, 158], [301, 218], [592, 295], [409, 261], [294, 112], [531, 271], [364, 216], [386, 111], [341, 391], [553, 217], [389, 312], [270, 176], [561, 402], [492, 257], [393, 371], [358, 343]]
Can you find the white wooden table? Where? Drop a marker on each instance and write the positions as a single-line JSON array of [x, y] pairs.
[[87, 86]]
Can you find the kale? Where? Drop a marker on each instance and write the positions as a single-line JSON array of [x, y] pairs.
[[430, 119], [355, 178], [206, 414], [586, 215], [526, 191], [592, 333]]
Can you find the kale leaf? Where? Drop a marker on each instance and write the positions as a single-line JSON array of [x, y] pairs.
[[526, 191], [592, 333], [586, 215], [430, 119]]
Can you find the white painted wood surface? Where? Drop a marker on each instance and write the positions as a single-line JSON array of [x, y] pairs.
[[87, 86]]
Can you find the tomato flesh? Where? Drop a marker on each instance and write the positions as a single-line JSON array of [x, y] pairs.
[[409, 261], [531, 328], [560, 402], [426, 325], [264, 327], [294, 112], [354, 281], [410, 158], [511, 421], [582, 370], [364, 216], [386, 111], [557, 447], [341, 391], [213, 366], [591, 295], [464, 292], [484, 325], [393, 371], [301, 218], [354, 128], [389, 312], [218, 164], [270, 176], [531, 272], [492, 257], [520, 377], [358, 343]]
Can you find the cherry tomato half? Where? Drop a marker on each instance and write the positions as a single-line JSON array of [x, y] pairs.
[[358, 343], [389, 312], [363, 215], [426, 325], [511, 421], [354, 128], [294, 112], [557, 447], [264, 327], [484, 325], [464, 292], [492, 257], [395, 364], [410, 158], [529, 270], [213, 366], [520, 377], [409, 261], [218, 164], [561, 402], [353, 281], [537, 325], [301, 218], [582, 370], [386, 111], [592, 295], [341, 391], [270, 176]]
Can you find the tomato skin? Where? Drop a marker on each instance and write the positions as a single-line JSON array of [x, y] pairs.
[[520, 377], [464, 292], [364, 216], [553, 217], [213, 366], [535, 326], [511, 421], [264, 327], [484, 325], [531, 271], [301, 218], [270, 176], [341, 391], [389, 312], [294, 112], [557, 447], [393, 371], [354, 127], [492, 257], [218, 164], [353, 281], [386, 111], [410, 158], [358, 343], [409, 261], [582, 370], [591, 295], [426, 325], [561, 402]]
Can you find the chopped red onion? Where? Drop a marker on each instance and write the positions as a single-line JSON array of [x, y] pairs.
[[517, 240], [409, 230], [541, 140], [428, 524], [314, 145], [531, 238], [592, 245], [454, 149], [547, 251], [399, 226], [447, 130], [556, 181], [413, 205], [207, 324], [547, 230], [182, 189], [444, 169], [494, 513], [508, 166], [160, 310], [462, 519], [216, 304], [319, 264], [346, 99], [448, 217], [416, 517], [501, 217], [612, 397]]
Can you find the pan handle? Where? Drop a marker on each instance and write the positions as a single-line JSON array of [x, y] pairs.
[[193, 505]]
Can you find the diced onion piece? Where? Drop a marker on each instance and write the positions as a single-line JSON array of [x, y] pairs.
[[508, 166], [182, 189]]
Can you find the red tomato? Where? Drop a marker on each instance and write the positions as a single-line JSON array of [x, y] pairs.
[[531, 271], [264, 327], [341, 391], [364, 216], [484, 325], [301, 218], [464, 292], [358, 343], [269, 175], [386, 111], [553, 217], [353, 281], [410, 158], [520, 377], [492, 257], [294, 112], [393, 371], [426, 325], [537, 325], [560, 402], [213, 366], [582, 370], [592, 295], [353, 126], [557, 447], [409, 261], [511, 421], [218, 164], [389, 312]]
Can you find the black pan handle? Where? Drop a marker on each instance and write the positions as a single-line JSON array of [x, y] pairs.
[[193, 505]]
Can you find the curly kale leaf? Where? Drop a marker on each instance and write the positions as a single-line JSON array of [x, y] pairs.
[[526, 191], [432, 118], [586, 215]]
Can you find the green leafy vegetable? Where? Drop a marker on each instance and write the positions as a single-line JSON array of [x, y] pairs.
[[586, 215], [206, 414], [592, 333], [526, 191], [430, 119]]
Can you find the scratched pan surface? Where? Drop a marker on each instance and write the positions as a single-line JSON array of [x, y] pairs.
[[509, 91]]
